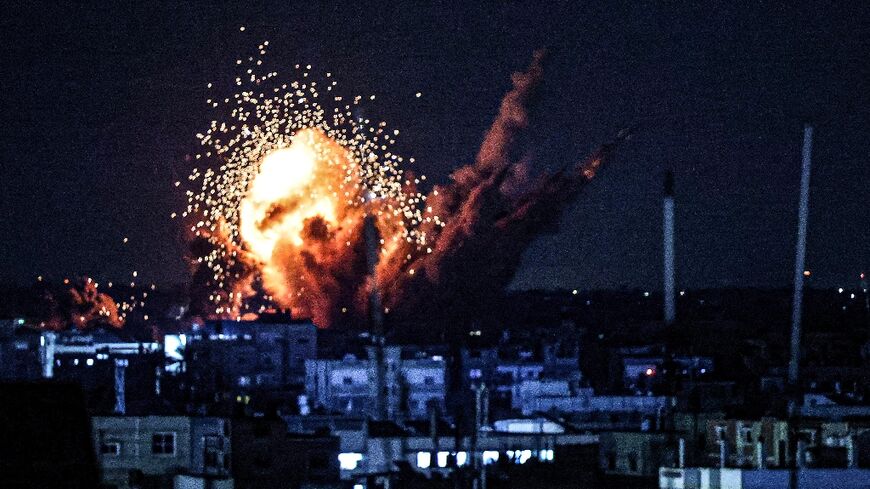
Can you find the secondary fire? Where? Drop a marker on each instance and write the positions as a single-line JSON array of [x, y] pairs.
[[281, 220]]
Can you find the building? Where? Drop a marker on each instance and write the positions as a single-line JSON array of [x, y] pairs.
[[267, 455], [414, 386], [710, 478], [642, 373], [559, 396], [368, 448], [832, 407], [239, 360], [636, 453], [747, 443], [19, 351], [133, 449], [118, 375]]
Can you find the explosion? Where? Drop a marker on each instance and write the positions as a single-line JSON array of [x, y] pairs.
[[281, 220], [79, 304]]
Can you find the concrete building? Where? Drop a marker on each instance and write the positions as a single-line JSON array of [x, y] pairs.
[[708, 478], [368, 448], [640, 374], [825, 407], [561, 396], [131, 449], [268, 353], [747, 443], [414, 386], [19, 351], [636, 453], [267, 455], [118, 375]]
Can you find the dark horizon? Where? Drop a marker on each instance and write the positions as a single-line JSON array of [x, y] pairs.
[[103, 105]]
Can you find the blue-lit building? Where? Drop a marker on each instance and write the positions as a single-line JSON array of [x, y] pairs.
[[415, 385], [232, 359]]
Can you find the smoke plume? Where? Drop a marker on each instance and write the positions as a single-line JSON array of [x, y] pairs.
[[288, 228]]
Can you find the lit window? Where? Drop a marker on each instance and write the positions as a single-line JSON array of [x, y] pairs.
[[90, 362], [163, 444], [442, 459], [490, 456], [349, 461], [110, 448], [424, 459], [461, 458], [524, 456], [475, 373]]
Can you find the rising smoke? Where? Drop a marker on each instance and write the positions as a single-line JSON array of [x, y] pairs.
[[78, 304], [445, 259]]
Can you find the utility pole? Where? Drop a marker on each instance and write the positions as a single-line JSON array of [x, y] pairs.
[[800, 256], [797, 305], [376, 314], [670, 309]]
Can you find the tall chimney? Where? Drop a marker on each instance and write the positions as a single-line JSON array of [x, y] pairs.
[[670, 311]]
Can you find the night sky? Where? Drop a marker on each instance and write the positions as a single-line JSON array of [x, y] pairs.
[[100, 106]]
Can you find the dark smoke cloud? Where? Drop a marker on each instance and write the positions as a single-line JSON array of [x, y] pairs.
[[77, 304], [494, 208]]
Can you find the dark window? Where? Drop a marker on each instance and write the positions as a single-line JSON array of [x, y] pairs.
[[318, 462], [163, 444], [302, 341], [111, 448], [261, 429], [429, 380], [611, 461], [632, 462], [212, 459], [348, 381], [262, 462], [748, 435]]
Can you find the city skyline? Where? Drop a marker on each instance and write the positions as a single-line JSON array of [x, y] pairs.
[[105, 104]]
